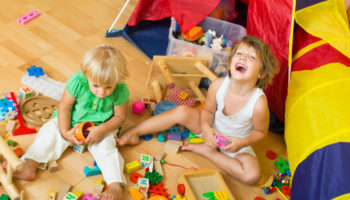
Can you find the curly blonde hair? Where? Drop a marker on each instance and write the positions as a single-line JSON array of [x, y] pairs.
[[269, 63], [104, 65]]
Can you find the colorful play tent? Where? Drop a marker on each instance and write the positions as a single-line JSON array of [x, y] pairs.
[[311, 38]]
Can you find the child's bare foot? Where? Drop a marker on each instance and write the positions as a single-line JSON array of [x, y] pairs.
[[28, 172], [114, 192], [201, 149], [127, 138]]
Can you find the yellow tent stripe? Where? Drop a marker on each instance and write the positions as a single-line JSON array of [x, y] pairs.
[[342, 197], [291, 41], [307, 49]]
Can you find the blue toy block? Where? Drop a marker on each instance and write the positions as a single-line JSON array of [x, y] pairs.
[[160, 137], [146, 137], [35, 71], [184, 134], [174, 129], [91, 171]]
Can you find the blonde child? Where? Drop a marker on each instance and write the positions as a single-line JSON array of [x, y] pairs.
[[97, 94], [235, 108]]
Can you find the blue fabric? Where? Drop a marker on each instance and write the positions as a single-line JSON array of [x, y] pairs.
[[151, 37], [325, 174], [306, 3]]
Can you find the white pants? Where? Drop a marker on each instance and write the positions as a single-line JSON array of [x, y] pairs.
[[49, 145]]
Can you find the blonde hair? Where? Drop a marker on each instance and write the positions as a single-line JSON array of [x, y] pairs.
[[269, 63], [104, 65]]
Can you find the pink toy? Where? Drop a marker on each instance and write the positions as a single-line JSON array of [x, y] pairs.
[[26, 18], [87, 196], [138, 107], [221, 140]]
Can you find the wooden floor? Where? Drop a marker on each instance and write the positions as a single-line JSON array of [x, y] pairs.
[[56, 41]]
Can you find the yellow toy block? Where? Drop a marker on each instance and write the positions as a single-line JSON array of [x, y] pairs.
[[79, 194], [183, 95], [136, 194], [178, 197], [100, 181], [196, 140], [52, 194], [132, 166]]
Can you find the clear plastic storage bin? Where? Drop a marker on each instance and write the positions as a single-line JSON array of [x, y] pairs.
[[217, 59]]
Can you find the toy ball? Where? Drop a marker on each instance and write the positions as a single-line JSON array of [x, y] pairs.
[[138, 107]]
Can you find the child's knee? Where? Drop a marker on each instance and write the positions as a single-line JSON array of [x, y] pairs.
[[251, 177]]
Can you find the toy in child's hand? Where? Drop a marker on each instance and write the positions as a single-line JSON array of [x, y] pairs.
[[138, 107], [222, 141], [82, 132]]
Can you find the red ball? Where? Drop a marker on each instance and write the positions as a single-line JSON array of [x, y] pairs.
[[138, 107]]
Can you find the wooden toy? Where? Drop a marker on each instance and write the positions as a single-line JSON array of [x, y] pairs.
[[22, 129], [158, 167], [180, 72], [43, 166], [160, 155], [3, 128], [63, 190], [136, 194], [143, 185], [145, 160], [52, 194], [10, 125], [28, 17], [79, 194], [26, 92], [38, 110], [13, 163], [70, 196], [172, 146], [52, 166], [98, 189], [82, 130], [216, 195], [201, 181], [132, 166], [91, 171]]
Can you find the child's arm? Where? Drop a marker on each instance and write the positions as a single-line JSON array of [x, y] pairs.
[[97, 132], [260, 124], [64, 118], [208, 112]]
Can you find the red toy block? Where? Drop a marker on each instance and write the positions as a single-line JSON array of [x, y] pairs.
[[28, 17], [19, 151]]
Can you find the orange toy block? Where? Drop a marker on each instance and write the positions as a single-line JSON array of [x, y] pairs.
[[19, 151], [193, 34], [136, 194]]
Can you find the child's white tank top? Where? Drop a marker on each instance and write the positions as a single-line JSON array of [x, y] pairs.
[[239, 124]]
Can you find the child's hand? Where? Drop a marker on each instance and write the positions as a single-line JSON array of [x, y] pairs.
[[209, 138], [69, 136], [235, 145], [95, 135]]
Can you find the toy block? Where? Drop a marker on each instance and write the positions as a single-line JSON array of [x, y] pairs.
[[87, 196], [143, 185], [160, 137], [145, 160], [26, 92], [173, 136], [91, 171], [172, 146], [10, 126], [3, 129], [132, 166], [179, 197], [160, 155], [63, 190], [158, 167], [216, 195], [100, 181], [183, 95], [4, 197], [146, 137], [35, 71], [79, 194], [70, 196], [52, 166], [136, 194], [11, 143], [8, 110], [52, 194], [43, 166], [192, 138], [28, 17], [193, 34], [283, 166], [19, 151], [98, 189], [79, 148]]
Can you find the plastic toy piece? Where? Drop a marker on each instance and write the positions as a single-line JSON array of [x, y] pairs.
[[28, 17], [79, 194], [138, 107], [192, 138], [52, 194], [11, 143], [134, 177], [153, 177], [91, 171], [35, 71], [136, 194], [271, 155], [19, 151], [174, 136], [82, 131], [70, 196], [79, 148], [22, 129], [283, 166], [157, 197], [193, 34], [158, 189], [146, 137], [132, 166], [38, 110], [221, 140], [216, 195], [87, 196], [4, 197], [181, 189], [8, 109], [176, 92]]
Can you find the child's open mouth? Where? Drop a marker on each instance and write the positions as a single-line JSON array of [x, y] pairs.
[[241, 68]]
